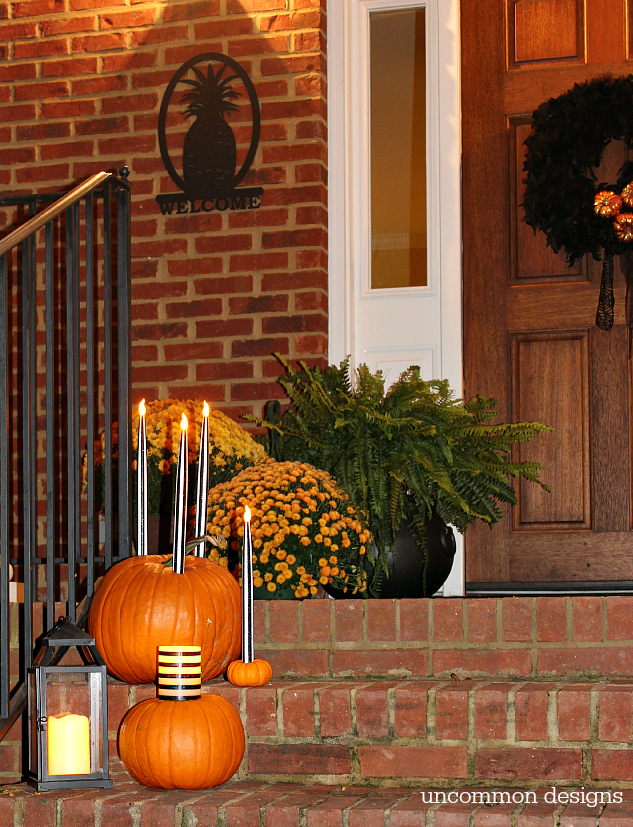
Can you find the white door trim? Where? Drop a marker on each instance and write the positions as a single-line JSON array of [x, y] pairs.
[[348, 140]]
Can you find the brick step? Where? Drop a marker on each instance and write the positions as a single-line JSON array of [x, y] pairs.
[[410, 731], [416, 731], [248, 804], [510, 637]]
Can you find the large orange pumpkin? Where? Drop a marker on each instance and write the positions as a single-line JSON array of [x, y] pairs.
[[142, 604], [186, 745]]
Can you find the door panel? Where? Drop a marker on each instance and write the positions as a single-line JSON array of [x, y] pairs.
[[530, 339], [550, 384], [545, 30]]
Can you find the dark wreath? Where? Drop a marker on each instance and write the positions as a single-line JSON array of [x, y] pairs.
[[563, 197]]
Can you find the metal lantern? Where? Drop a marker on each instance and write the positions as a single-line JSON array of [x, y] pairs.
[[68, 714]]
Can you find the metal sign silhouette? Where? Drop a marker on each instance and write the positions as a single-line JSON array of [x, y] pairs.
[[209, 153]]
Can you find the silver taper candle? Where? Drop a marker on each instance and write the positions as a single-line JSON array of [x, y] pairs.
[[180, 518], [248, 648], [203, 481], [141, 483]]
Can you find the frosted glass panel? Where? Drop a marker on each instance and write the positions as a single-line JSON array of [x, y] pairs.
[[398, 149]]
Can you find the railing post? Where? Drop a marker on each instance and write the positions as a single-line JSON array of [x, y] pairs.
[[4, 496], [124, 365]]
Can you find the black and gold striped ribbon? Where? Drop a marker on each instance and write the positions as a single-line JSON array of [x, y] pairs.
[[179, 672]]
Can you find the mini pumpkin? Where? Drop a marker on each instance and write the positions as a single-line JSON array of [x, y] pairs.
[[607, 204], [186, 745], [623, 227], [256, 673], [141, 604]]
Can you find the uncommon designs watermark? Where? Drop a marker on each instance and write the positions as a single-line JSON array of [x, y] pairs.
[[592, 798]]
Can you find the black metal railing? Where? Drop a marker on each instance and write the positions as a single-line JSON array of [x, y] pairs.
[[65, 368]]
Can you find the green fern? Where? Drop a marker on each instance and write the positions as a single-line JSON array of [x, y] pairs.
[[402, 453]]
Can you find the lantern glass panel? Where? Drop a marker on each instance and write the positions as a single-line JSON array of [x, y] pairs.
[[73, 722]]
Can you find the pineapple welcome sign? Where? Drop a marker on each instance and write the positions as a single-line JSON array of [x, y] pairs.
[[194, 123]]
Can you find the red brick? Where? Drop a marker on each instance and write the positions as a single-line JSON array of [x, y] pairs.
[[315, 620], [310, 345], [40, 48], [619, 618], [451, 712], [223, 28], [577, 815], [218, 328], [447, 620], [335, 710], [18, 71], [261, 710], [258, 261], [99, 43], [226, 285], [612, 764], [615, 713], [541, 814], [118, 704], [482, 620], [259, 347], [258, 304], [348, 618], [413, 762], [258, 218], [294, 323], [573, 705], [287, 812], [517, 618], [311, 301], [70, 109], [18, 31], [128, 19], [128, 103], [372, 716], [310, 759], [414, 619], [531, 703], [491, 711], [617, 815], [294, 281], [314, 237], [587, 618], [597, 662], [409, 813], [40, 811], [537, 763], [98, 126], [283, 621], [298, 711], [384, 662], [202, 223], [130, 60], [190, 309], [486, 663], [410, 709], [223, 243], [17, 155], [551, 623], [381, 620], [498, 816], [71, 66], [22, 112], [371, 811], [210, 371], [68, 25], [254, 390], [55, 172]]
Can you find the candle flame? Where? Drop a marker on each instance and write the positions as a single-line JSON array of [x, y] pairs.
[[247, 514], [184, 423], [205, 410], [141, 407]]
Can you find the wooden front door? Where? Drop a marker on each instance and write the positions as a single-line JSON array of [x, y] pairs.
[[530, 338]]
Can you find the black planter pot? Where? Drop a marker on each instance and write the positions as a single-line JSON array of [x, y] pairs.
[[411, 573]]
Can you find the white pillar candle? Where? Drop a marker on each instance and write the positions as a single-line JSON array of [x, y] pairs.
[[68, 745], [180, 518], [203, 481], [141, 483], [248, 649]]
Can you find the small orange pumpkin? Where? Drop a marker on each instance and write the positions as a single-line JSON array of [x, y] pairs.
[[142, 604], [256, 673], [185, 745]]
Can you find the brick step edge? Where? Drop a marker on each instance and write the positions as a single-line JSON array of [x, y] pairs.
[[279, 805]]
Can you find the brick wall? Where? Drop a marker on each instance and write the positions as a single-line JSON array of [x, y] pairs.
[[214, 294]]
